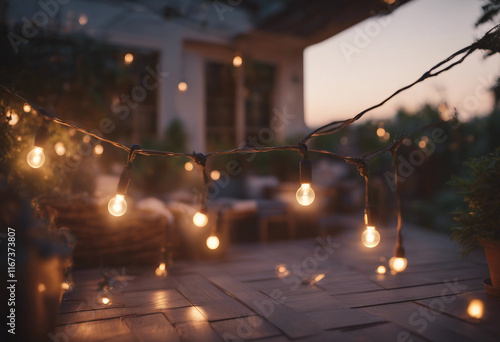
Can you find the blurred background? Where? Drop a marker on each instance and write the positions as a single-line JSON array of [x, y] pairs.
[[210, 75]]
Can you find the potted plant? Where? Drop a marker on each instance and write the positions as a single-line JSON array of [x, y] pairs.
[[479, 222]]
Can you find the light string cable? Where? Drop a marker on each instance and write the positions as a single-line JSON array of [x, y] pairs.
[[489, 41]]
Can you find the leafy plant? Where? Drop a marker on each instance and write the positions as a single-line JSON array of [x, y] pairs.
[[481, 218]]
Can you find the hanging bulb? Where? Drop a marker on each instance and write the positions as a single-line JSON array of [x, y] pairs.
[[213, 242], [237, 61], [370, 237], [398, 264], [200, 219], [117, 206], [36, 157], [305, 194]]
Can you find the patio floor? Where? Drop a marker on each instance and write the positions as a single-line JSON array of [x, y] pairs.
[[242, 298]]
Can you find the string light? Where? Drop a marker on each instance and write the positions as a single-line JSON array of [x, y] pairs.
[[380, 132], [65, 286], [13, 117], [215, 175], [237, 61], [182, 86], [398, 264], [381, 269], [323, 130], [128, 58], [370, 237], [36, 157], [98, 149], [27, 108], [41, 287], [59, 148], [83, 19], [117, 206], [305, 194], [189, 166], [200, 219], [213, 242]]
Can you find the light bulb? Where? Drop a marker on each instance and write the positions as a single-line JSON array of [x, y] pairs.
[[398, 264], [36, 158], [27, 108], [370, 237], [14, 118], [162, 266], [105, 300], [60, 148], [215, 174], [305, 195], [189, 166], [200, 219], [117, 206], [381, 269], [237, 61], [213, 242], [182, 86], [98, 149], [65, 286], [129, 58]]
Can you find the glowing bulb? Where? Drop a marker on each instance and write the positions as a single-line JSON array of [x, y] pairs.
[[65, 286], [305, 195], [422, 144], [200, 219], [215, 174], [213, 242], [59, 148], [105, 300], [188, 166], [83, 19], [98, 149], [162, 266], [370, 237], [129, 58], [27, 108], [36, 158], [117, 206], [380, 132], [41, 287], [398, 264], [381, 269], [182, 86], [14, 118], [237, 61], [86, 138], [475, 308]]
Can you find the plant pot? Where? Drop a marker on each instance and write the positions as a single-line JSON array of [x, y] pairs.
[[492, 250]]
